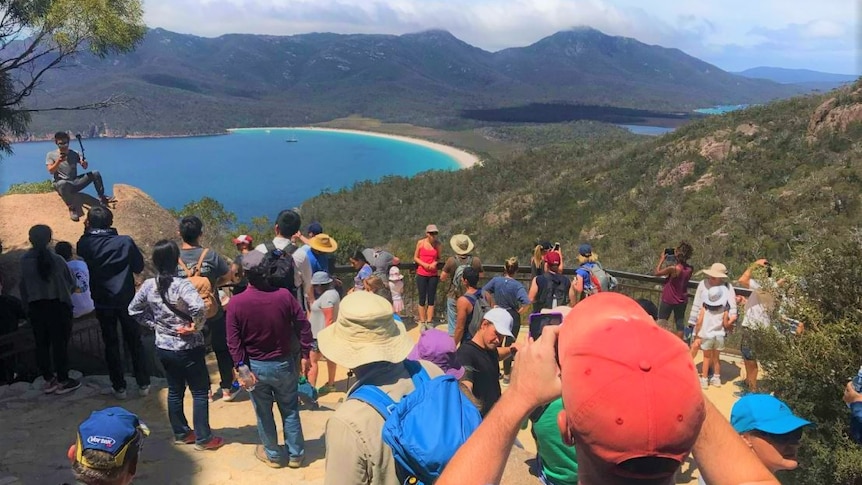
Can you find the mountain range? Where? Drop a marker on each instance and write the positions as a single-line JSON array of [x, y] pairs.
[[182, 83], [804, 78]]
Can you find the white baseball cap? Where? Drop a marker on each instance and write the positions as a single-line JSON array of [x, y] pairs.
[[501, 320]]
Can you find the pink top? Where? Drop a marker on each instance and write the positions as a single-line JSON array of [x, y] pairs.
[[427, 255], [675, 289]]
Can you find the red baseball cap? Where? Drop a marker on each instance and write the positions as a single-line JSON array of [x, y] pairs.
[[242, 239], [553, 258], [630, 388]]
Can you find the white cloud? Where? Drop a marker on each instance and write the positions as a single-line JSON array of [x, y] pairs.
[[698, 27]]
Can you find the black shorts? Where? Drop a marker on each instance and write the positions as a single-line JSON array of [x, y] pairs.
[[678, 310]]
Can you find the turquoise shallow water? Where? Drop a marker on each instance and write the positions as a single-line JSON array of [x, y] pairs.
[[252, 172]]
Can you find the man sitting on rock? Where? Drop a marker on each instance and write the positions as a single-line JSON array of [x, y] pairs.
[[63, 163], [108, 448]]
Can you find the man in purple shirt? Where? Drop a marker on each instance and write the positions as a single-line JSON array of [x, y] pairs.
[[261, 323]]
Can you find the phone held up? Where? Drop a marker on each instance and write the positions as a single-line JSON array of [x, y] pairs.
[[670, 255], [538, 321]]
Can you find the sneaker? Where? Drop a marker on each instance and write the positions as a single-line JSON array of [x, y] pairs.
[[325, 389], [741, 384], [715, 381], [73, 214], [120, 394], [230, 394], [295, 461], [260, 454], [704, 383], [68, 386], [188, 439], [50, 386], [144, 391], [213, 444], [107, 200]]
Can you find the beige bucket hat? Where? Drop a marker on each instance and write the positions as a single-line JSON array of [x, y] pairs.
[[364, 332], [717, 270], [461, 244]]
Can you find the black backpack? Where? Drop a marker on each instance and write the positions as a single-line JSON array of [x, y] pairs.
[[281, 266], [554, 288]]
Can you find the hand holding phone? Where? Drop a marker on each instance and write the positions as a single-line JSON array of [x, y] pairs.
[[538, 321]]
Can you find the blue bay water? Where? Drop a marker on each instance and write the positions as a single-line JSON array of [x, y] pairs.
[[252, 172]]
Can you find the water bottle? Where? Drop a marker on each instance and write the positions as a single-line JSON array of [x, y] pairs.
[[244, 375], [857, 382]]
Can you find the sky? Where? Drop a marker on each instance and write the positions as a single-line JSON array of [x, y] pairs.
[[822, 35]]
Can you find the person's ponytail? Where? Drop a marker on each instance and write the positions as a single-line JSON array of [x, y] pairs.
[[537, 256], [40, 237]]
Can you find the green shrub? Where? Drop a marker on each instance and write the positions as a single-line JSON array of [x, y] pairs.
[[42, 187], [809, 371]]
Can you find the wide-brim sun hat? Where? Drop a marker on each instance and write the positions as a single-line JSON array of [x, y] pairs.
[[717, 270], [461, 244], [364, 332], [323, 243], [717, 296]]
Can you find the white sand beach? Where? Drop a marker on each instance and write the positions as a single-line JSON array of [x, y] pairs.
[[463, 158]]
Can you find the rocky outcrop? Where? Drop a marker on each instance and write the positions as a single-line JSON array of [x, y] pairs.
[[836, 114], [668, 177], [135, 214]]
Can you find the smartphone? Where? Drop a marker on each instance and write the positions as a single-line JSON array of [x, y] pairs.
[[539, 321], [556, 246], [670, 255]]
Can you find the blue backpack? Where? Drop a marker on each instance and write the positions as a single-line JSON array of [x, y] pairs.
[[426, 427]]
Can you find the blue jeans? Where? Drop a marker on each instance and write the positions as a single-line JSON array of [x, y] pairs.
[[187, 368], [277, 383], [452, 314]]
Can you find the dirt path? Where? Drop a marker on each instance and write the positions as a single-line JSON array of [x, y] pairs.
[[38, 429]]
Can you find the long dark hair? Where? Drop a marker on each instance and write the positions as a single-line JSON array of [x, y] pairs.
[[40, 237], [165, 256]]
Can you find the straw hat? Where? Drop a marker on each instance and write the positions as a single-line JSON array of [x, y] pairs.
[[323, 243], [364, 332], [717, 270], [461, 244]]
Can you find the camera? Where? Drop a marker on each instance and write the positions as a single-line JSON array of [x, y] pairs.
[[538, 321], [669, 251], [670, 255]]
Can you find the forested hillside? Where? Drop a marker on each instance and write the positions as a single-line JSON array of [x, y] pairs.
[[757, 182]]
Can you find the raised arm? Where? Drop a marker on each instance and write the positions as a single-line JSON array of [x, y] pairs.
[[535, 381], [735, 464]]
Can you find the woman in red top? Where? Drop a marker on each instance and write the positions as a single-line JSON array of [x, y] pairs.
[[427, 256], [674, 295]]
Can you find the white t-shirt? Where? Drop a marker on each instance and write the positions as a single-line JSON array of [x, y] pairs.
[[329, 299], [713, 323], [82, 300], [396, 288], [757, 308]]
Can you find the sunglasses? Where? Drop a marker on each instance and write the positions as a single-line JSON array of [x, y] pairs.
[[433, 233], [792, 437], [62, 143]]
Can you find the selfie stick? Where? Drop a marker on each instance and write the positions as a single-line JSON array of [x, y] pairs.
[[80, 144]]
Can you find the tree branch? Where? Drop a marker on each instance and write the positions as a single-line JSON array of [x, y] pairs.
[[110, 102]]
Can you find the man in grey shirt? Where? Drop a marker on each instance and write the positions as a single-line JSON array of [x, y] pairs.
[[63, 163]]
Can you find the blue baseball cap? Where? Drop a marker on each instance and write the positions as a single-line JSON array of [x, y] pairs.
[[766, 413], [315, 228], [111, 430], [585, 250]]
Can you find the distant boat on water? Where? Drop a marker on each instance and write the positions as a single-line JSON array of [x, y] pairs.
[[291, 140]]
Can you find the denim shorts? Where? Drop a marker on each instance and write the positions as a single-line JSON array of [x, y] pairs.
[[712, 343]]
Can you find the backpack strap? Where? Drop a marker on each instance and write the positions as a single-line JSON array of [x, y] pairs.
[[184, 267], [379, 400], [201, 261], [270, 247]]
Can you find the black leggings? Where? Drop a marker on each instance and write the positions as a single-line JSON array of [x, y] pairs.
[[225, 362], [427, 286], [507, 341], [52, 327]]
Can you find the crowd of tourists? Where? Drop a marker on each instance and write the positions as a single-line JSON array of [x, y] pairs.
[[419, 412]]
